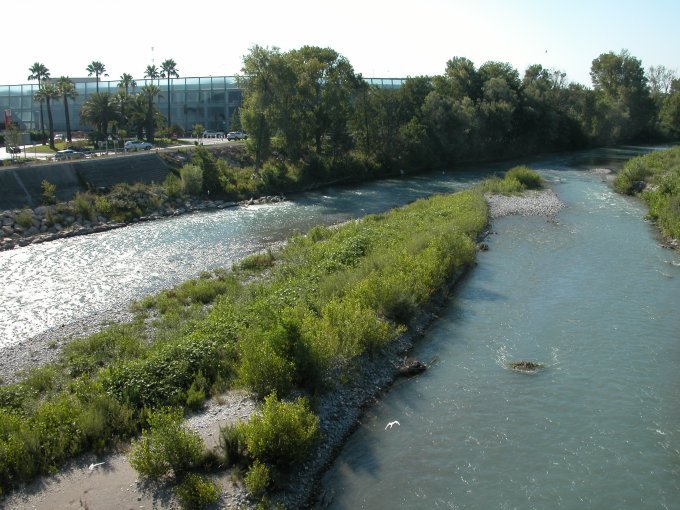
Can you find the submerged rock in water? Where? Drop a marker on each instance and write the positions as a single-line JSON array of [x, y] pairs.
[[525, 366], [411, 368]]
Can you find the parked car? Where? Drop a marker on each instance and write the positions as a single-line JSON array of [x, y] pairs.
[[13, 149], [236, 135], [68, 154], [213, 134], [136, 145]]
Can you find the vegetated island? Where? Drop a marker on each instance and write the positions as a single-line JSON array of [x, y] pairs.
[[313, 331]]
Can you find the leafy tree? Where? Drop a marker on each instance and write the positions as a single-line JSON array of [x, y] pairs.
[[197, 130], [169, 70], [46, 94], [39, 72], [326, 82], [67, 90], [258, 85], [498, 105], [461, 79], [623, 97], [98, 69], [670, 111], [99, 110]]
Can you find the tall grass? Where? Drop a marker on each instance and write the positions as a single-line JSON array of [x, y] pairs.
[[656, 176]]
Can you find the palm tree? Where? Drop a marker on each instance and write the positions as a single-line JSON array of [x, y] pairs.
[[98, 69], [46, 94], [67, 90], [126, 81], [122, 99], [150, 92], [152, 72], [168, 70], [39, 72], [98, 111]]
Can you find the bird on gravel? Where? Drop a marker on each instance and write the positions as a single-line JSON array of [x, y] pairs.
[[92, 466]]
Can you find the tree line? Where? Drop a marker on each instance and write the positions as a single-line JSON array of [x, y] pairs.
[[310, 103], [126, 111]]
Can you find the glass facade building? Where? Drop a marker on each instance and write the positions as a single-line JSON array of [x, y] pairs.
[[210, 101]]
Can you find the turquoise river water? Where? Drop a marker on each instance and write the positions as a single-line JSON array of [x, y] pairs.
[[592, 297]]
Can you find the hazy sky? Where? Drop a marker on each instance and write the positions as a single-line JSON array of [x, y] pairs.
[[380, 38]]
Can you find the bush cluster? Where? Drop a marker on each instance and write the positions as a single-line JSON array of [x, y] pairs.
[[657, 177], [516, 180]]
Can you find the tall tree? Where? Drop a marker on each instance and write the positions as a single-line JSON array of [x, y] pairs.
[[149, 93], [169, 70], [99, 110], [126, 81], [258, 85], [98, 69], [152, 73], [670, 111], [67, 90], [326, 82], [39, 72], [461, 79], [623, 97], [46, 94]]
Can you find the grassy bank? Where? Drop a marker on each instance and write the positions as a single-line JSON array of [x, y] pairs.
[[289, 322], [655, 178]]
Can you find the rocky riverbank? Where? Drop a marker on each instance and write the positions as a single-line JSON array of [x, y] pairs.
[[21, 227], [339, 412]]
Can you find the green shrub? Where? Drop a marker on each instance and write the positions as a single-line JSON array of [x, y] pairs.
[[283, 434], [634, 171], [173, 185], [232, 443], [527, 177], [196, 492], [48, 193], [83, 204], [25, 218], [191, 177], [257, 479], [345, 329], [257, 261], [262, 368], [196, 393], [163, 377], [19, 451], [166, 447], [659, 171], [58, 431], [505, 186], [103, 205], [116, 343]]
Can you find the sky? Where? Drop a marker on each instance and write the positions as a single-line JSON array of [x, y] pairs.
[[379, 38]]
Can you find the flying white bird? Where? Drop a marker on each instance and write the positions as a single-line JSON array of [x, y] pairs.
[[92, 466], [391, 424]]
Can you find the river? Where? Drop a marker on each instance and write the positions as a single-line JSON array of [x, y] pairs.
[[592, 296]]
